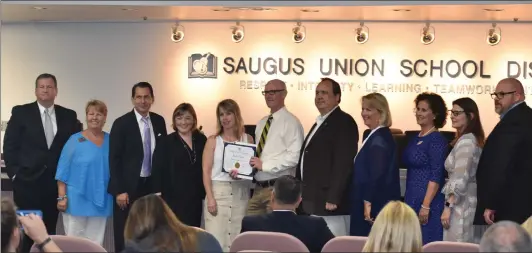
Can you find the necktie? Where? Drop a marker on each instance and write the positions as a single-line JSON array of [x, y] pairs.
[[263, 136], [146, 162], [48, 127]]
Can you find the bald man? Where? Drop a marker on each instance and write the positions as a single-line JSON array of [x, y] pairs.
[[504, 174], [279, 137]]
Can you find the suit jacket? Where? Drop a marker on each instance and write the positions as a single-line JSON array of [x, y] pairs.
[[126, 151], [504, 170], [328, 164], [26, 152], [310, 230]]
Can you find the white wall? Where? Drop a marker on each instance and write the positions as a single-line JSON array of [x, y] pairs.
[[103, 61]]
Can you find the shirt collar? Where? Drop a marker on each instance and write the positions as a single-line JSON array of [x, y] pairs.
[[322, 118], [509, 109], [139, 117], [278, 112], [51, 109]]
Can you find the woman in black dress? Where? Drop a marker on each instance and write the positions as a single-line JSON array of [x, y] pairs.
[[176, 166]]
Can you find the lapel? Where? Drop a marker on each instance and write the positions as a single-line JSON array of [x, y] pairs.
[[156, 126], [323, 125], [308, 135], [59, 120], [36, 117], [136, 132]]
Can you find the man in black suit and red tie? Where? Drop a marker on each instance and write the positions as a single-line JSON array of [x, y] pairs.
[[285, 198], [33, 141], [504, 171], [132, 141]]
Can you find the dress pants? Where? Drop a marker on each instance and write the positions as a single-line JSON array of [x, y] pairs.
[[144, 188], [92, 228], [39, 194]]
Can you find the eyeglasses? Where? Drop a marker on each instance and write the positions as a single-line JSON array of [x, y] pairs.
[[500, 95], [271, 92], [455, 113]]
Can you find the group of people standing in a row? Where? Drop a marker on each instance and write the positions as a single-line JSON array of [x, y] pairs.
[[90, 175]]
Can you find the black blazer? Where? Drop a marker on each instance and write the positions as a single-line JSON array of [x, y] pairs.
[[505, 169], [26, 153], [310, 230], [126, 151], [328, 164]]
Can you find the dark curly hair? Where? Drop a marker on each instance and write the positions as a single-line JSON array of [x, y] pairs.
[[436, 105]]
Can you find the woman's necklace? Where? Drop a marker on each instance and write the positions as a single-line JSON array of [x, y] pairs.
[[191, 156], [425, 134]]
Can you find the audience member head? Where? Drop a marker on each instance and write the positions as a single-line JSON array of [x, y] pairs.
[[275, 93], [286, 194], [506, 236], [142, 97], [96, 113], [46, 89], [465, 118], [508, 92], [151, 220], [328, 95], [396, 229], [184, 119], [527, 225], [10, 230], [229, 118], [376, 111], [430, 110]]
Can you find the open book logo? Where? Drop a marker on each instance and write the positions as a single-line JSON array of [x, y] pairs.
[[202, 66]]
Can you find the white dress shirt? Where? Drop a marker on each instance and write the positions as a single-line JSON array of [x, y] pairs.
[[283, 144], [51, 111], [141, 127], [319, 120]]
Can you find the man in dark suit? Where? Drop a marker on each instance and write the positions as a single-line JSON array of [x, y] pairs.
[[326, 160], [34, 139], [505, 167], [132, 140], [285, 198]]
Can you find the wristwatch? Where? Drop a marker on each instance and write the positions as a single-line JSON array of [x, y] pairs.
[[449, 205], [40, 246]]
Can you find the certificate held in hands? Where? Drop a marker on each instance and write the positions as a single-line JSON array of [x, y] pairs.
[[236, 156]]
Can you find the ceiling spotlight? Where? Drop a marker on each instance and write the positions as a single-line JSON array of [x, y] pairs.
[[362, 34], [238, 32], [428, 34], [178, 33], [493, 35], [299, 33]]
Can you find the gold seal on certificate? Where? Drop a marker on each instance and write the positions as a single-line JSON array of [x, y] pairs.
[[236, 156]]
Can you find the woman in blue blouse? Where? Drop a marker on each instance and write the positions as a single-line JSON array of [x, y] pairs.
[[376, 174], [424, 157], [82, 177]]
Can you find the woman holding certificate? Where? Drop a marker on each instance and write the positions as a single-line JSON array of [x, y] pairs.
[[226, 196], [176, 166]]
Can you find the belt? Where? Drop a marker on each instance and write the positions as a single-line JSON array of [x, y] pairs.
[[267, 183]]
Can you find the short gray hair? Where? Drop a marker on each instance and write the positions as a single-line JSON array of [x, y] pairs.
[[506, 236]]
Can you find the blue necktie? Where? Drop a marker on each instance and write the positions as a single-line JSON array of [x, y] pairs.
[[146, 162]]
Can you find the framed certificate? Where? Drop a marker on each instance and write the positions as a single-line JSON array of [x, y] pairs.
[[236, 156]]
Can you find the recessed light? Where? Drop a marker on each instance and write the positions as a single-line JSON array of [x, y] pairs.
[[309, 10], [262, 9], [494, 10], [222, 9], [39, 8], [405, 10]]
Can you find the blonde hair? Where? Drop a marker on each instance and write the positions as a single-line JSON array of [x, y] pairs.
[[379, 103], [98, 105], [396, 229], [229, 106], [527, 225]]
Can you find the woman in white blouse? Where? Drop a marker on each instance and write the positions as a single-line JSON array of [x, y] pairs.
[[226, 197], [461, 164]]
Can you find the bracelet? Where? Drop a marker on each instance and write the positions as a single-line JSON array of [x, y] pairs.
[[40, 246], [62, 198], [424, 207]]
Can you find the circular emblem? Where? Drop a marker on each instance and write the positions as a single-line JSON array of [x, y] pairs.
[[237, 165]]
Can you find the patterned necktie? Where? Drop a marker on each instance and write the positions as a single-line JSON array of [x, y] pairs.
[[146, 162], [263, 136], [48, 127]]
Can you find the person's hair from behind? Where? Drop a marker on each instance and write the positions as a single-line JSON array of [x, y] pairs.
[[150, 218], [396, 229], [10, 231], [287, 190], [506, 236]]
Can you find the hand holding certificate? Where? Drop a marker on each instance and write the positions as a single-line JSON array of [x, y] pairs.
[[236, 156]]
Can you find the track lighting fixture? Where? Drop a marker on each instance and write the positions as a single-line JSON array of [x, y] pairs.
[[493, 35], [428, 34], [178, 33], [362, 34], [237, 34], [299, 33]]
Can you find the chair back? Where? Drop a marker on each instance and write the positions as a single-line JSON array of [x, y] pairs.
[[267, 241], [73, 244], [451, 247], [345, 244]]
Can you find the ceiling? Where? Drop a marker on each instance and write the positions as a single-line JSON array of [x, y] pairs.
[[121, 13]]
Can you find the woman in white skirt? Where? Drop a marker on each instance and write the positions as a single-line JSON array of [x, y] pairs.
[[226, 197]]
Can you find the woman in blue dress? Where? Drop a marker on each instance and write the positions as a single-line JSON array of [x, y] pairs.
[[424, 158], [376, 174], [82, 177]]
